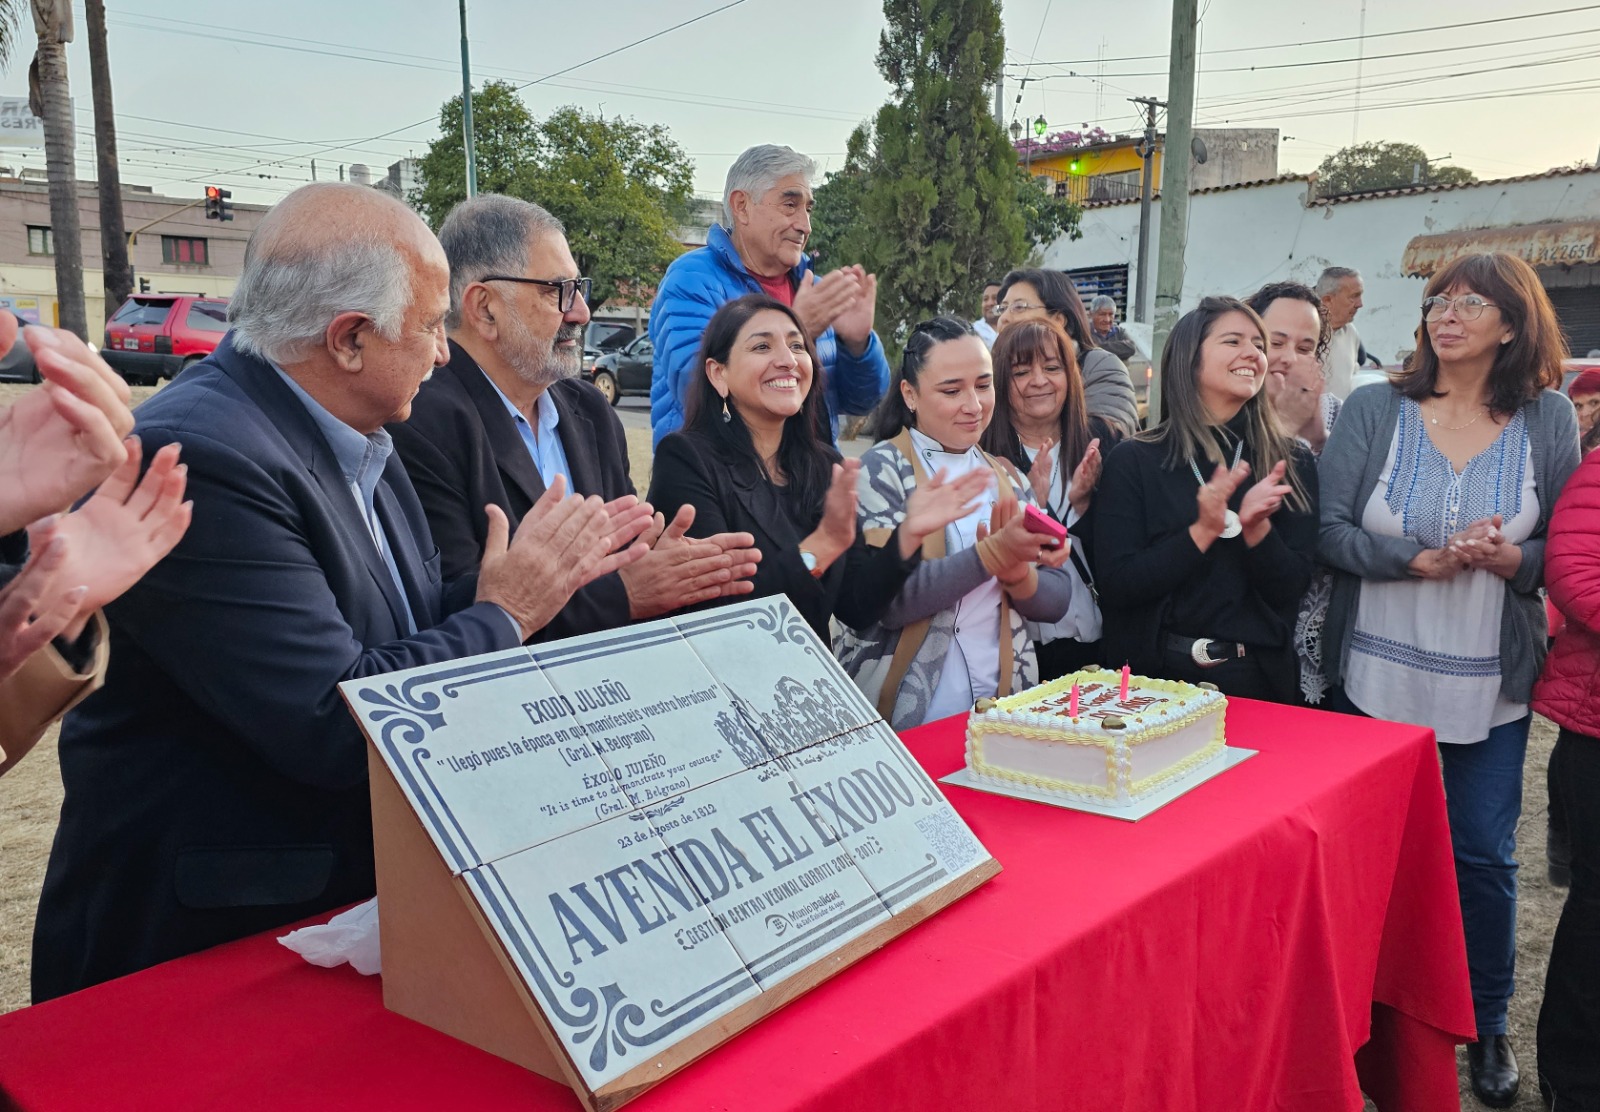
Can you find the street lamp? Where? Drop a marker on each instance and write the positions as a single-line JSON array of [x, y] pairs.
[[1039, 126], [1016, 131]]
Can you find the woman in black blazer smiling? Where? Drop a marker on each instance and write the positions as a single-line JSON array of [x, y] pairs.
[[754, 456]]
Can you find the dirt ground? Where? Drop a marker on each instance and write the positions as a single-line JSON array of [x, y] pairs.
[[30, 800]]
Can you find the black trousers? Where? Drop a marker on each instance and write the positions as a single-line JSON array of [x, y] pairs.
[[1569, 1020]]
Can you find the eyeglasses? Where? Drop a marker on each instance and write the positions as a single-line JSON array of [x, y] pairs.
[[570, 287], [1019, 306], [1468, 306]]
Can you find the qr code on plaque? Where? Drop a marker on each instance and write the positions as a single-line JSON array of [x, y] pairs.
[[952, 843]]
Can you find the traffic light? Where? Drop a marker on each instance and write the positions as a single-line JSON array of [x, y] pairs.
[[217, 206], [144, 285]]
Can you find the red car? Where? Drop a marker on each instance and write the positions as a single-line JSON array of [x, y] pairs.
[[156, 335]]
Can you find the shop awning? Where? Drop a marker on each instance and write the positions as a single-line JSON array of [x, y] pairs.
[[1536, 244]]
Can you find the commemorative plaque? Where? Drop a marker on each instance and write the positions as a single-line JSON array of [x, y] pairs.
[[604, 856]]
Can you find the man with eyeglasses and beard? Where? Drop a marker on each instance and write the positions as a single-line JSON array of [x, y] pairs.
[[509, 413]]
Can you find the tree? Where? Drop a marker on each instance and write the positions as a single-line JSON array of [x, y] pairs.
[[506, 144], [1383, 166], [620, 187], [1045, 216], [113, 233], [939, 206], [50, 99]]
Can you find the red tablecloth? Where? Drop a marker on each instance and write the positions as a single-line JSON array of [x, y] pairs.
[[1231, 951]]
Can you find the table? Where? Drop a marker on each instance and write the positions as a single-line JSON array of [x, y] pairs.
[[1233, 950]]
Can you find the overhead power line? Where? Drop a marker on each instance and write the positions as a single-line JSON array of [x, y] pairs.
[[579, 65], [1310, 63], [1323, 42]]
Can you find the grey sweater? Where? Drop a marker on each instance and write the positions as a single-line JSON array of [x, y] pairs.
[[1108, 391], [1351, 466]]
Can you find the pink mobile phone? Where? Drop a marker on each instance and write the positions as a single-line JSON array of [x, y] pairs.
[[1035, 520]]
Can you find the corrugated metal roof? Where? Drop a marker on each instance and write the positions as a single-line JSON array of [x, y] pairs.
[[1370, 194]]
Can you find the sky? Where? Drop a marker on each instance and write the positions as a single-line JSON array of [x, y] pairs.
[[246, 95]]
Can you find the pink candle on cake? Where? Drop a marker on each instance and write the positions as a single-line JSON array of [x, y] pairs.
[[1125, 671], [1072, 707]]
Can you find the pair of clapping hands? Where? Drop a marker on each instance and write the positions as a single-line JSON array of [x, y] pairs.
[[62, 440], [845, 300], [1261, 501], [1480, 545], [568, 541]]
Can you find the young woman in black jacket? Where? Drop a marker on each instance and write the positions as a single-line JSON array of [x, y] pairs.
[[755, 455], [1200, 569]]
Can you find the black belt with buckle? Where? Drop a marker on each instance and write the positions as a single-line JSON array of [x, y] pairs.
[[1204, 651]]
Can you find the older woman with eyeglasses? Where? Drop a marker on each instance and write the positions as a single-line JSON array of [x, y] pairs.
[[1436, 493]]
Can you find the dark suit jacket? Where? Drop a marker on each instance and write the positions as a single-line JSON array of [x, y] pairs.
[[732, 495], [463, 452], [216, 786]]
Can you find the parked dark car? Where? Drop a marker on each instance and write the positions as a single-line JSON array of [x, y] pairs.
[[17, 366], [602, 337], [154, 336], [624, 373]]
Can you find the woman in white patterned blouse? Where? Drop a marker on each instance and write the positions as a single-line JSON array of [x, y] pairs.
[[1436, 492]]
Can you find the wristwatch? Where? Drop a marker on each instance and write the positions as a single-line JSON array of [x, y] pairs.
[[809, 559]]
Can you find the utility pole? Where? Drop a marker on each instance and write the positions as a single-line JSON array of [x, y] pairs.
[[1000, 101], [466, 108], [1174, 186], [1147, 152]]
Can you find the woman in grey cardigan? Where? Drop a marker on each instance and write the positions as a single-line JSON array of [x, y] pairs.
[[1436, 492]]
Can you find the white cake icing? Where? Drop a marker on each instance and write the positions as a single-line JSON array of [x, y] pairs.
[[1115, 751]]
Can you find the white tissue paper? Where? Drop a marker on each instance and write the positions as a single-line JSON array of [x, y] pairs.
[[350, 936]]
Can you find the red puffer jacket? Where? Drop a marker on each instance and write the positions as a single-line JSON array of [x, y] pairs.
[[1568, 691]]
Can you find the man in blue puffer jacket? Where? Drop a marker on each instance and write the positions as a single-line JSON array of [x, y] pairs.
[[761, 249]]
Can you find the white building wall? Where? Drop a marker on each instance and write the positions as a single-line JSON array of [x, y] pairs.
[[1242, 238]]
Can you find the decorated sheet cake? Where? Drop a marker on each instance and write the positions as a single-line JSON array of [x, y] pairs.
[[1097, 736]]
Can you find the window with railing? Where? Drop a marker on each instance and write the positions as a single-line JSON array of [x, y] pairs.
[[1088, 188]]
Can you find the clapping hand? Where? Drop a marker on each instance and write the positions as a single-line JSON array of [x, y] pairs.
[[854, 323], [819, 304], [1212, 501], [836, 532], [1085, 477], [1436, 563], [1261, 501], [1483, 545], [34, 606], [936, 503], [684, 571], [561, 545], [1041, 470], [60, 441], [125, 529]]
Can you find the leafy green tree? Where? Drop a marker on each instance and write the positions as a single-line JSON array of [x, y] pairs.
[[1045, 216], [621, 188], [938, 209], [1383, 166]]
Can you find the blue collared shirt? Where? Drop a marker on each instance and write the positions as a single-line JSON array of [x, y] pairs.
[[545, 448], [361, 458]]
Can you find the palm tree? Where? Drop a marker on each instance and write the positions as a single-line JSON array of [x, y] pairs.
[[50, 99], [113, 235]]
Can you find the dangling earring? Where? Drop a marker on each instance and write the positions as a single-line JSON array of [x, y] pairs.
[[726, 416]]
